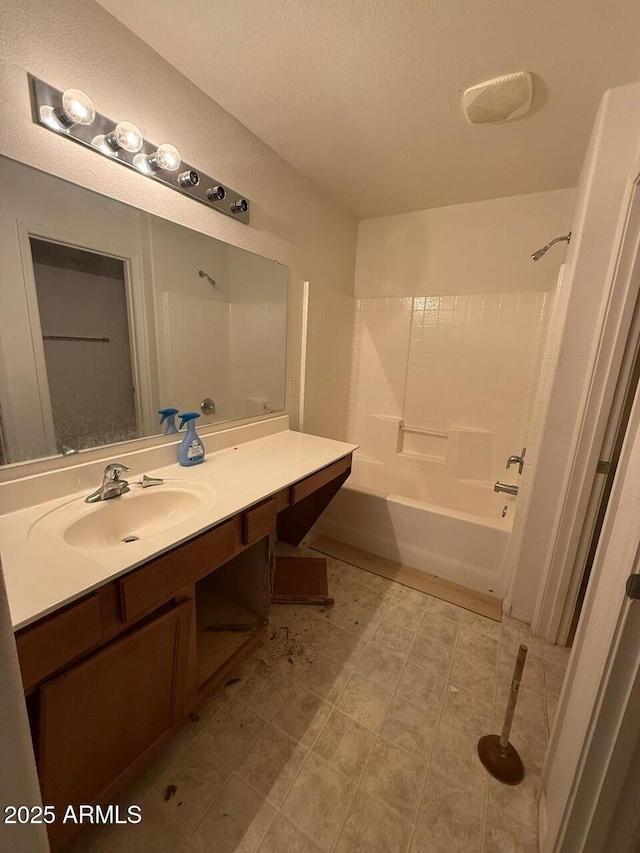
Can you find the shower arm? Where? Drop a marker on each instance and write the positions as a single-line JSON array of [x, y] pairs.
[[566, 238]]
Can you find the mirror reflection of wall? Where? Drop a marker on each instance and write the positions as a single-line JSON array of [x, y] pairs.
[[108, 314]]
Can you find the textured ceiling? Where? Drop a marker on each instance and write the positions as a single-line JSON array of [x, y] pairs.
[[364, 96]]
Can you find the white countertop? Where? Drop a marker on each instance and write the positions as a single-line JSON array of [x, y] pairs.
[[42, 575]]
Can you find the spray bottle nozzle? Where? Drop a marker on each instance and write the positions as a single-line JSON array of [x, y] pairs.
[[187, 416], [166, 413]]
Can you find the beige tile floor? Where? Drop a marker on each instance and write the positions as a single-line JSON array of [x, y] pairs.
[[353, 728]]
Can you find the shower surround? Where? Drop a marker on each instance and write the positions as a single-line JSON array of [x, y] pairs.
[[441, 390], [450, 380], [433, 369]]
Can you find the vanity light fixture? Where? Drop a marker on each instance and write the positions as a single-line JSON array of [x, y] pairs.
[[75, 107], [125, 136], [72, 114], [166, 158]]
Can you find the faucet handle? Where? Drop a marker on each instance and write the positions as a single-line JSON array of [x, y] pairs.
[[114, 469], [147, 481], [517, 460]]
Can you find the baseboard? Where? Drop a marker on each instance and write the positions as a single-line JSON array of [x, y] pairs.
[[521, 615]]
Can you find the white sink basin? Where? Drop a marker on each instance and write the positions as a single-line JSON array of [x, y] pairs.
[[137, 515]]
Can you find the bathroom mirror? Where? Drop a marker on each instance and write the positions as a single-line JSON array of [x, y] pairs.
[[109, 314]]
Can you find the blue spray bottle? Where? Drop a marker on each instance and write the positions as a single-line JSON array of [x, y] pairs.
[[169, 415], [191, 448]]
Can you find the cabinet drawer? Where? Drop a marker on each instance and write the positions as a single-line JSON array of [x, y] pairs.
[[305, 487], [58, 639], [258, 522], [157, 581]]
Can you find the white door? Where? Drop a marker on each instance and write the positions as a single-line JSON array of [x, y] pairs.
[[598, 723]]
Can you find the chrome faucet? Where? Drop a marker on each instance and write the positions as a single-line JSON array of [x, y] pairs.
[[517, 460], [508, 488], [112, 486]]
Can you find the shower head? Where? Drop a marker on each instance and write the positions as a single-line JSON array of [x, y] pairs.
[[543, 251]]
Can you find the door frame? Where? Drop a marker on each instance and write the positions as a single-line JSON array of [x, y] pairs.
[[615, 430], [136, 316]]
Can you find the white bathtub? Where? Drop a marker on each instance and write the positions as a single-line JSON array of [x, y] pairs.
[[419, 515]]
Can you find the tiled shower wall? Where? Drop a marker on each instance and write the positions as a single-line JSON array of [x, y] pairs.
[[474, 362], [460, 372]]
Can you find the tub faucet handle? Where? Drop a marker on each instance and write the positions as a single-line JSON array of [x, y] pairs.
[[517, 460]]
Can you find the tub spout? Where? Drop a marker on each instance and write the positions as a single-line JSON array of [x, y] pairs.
[[508, 488]]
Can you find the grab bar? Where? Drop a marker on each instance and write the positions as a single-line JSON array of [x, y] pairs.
[[417, 431]]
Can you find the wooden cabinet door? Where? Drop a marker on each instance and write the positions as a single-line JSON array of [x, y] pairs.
[[100, 720]]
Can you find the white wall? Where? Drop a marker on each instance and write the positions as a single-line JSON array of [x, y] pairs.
[[556, 317], [482, 247], [328, 358], [379, 363], [562, 480]]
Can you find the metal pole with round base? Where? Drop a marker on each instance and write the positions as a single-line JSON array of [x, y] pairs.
[[498, 756]]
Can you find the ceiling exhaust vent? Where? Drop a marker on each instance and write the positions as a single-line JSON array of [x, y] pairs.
[[500, 99]]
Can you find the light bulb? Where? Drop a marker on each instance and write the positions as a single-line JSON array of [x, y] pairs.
[[49, 117], [125, 136], [76, 108], [141, 162], [167, 158], [99, 142]]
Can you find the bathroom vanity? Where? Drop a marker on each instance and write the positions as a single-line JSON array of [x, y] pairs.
[[110, 675]]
